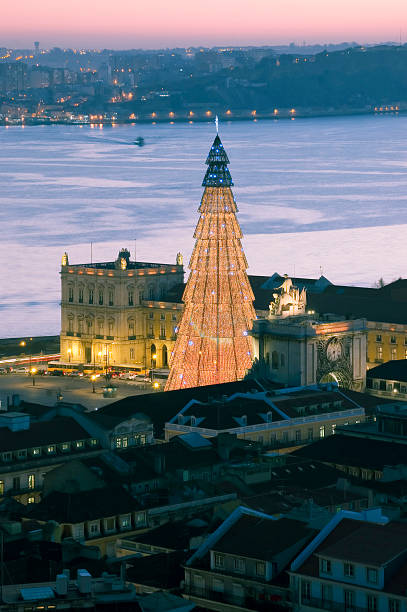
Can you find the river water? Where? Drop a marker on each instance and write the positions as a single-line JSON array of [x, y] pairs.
[[316, 194]]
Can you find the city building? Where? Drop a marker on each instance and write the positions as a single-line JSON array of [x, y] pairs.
[[357, 562], [388, 380], [115, 314], [242, 563], [213, 345], [300, 348], [280, 419]]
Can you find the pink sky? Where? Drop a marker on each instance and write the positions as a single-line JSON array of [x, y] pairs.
[[162, 23]]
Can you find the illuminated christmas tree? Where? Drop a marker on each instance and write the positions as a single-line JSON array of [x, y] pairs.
[[213, 345]]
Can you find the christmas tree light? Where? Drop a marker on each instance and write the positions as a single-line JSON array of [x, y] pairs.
[[213, 345]]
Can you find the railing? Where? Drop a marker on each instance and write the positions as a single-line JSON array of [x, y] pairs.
[[244, 602], [334, 606]]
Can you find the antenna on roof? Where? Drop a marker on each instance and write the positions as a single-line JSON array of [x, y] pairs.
[[217, 124]]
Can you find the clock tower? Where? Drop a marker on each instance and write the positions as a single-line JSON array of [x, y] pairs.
[[304, 349]]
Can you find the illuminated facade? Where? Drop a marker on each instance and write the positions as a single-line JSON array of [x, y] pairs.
[[117, 314], [213, 344]]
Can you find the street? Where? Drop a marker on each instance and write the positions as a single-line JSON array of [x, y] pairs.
[[73, 389]]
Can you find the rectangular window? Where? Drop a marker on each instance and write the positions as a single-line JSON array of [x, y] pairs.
[[394, 353], [79, 444], [94, 528], [51, 449], [349, 600], [298, 435], [162, 317], [379, 352], [310, 434], [22, 454], [94, 442], [326, 592], [260, 569], [333, 427], [80, 296], [322, 431], [125, 522], [110, 524], [305, 590], [151, 315], [31, 481], [371, 575], [70, 294], [131, 298], [394, 605], [393, 340], [118, 442], [371, 601], [90, 296], [36, 451], [65, 446], [162, 330], [16, 483], [132, 353], [349, 570], [219, 561], [239, 565], [1, 487], [31, 500], [378, 338], [326, 566]]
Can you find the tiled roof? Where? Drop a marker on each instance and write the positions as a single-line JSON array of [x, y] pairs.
[[355, 451], [59, 429], [391, 370], [262, 538], [83, 506], [369, 544]]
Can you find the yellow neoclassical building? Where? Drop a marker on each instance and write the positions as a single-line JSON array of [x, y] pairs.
[[116, 314]]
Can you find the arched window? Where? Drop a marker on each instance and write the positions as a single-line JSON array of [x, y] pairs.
[[91, 295], [111, 296], [110, 326], [70, 293], [274, 360], [80, 324], [101, 325], [80, 294], [131, 327], [100, 296], [70, 323], [164, 356]]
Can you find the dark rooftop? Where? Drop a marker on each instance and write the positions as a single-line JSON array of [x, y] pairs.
[[391, 370], [355, 451], [369, 543], [59, 429], [262, 538], [83, 506]]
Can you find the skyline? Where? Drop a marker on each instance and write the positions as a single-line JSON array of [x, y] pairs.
[[182, 24]]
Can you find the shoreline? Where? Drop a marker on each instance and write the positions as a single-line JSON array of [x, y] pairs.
[[179, 117]]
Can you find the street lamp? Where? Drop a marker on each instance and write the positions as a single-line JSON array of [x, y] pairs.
[[93, 378], [33, 373], [156, 385], [154, 359]]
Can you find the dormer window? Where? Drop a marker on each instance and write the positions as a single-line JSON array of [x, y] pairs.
[[219, 561], [372, 575], [51, 449], [326, 567], [79, 444], [239, 565], [36, 451], [7, 456]]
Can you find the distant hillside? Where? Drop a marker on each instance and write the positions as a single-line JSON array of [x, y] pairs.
[[353, 78]]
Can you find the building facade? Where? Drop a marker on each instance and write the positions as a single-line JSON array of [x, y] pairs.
[[115, 313]]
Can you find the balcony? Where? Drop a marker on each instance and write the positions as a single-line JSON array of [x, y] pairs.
[[334, 606], [234, 600]]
